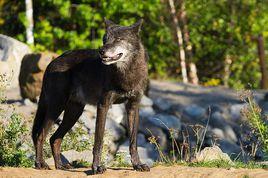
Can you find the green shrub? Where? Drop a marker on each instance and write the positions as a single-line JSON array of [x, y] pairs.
[[13, 132], [255, 119], [11, 136]]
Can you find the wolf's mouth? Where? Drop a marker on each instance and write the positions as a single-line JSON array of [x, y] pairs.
[[109, 59]]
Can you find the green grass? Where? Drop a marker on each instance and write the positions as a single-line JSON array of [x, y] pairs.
[[217, 164], [81, 164]]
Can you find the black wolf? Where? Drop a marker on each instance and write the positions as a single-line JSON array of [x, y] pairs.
[[115, 73]]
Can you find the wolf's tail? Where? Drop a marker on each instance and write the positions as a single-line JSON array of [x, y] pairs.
[[39, 117]]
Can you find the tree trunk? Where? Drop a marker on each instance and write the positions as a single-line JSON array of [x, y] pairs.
[[193, 77], [29, 17], [227, 65], [228, 57], [262, 62], [180, 41]]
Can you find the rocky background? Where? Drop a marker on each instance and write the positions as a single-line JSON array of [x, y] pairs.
[[171, 110]]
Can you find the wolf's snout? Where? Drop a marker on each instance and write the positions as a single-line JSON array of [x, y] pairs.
[[108, 57]]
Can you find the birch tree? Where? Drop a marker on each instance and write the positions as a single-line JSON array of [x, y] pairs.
[[30, 23], [180, 41], [193, 77]]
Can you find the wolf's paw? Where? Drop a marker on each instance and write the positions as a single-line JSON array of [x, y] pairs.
[[42, 165], [141, 167], [98, 169], [63, 166]]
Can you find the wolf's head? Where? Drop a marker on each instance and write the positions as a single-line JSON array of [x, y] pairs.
[[120, 42]]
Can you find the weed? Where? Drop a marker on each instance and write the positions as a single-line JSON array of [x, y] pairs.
[[255, 119], [13, 132], [120, 160], [180, 152], [80, 164]]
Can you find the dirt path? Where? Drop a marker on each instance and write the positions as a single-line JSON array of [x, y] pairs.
[[156, 172]]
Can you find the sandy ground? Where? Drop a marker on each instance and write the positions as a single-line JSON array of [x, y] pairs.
[[156, 172]]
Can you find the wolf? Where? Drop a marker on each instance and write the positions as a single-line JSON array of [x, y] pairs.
[[115, 73]]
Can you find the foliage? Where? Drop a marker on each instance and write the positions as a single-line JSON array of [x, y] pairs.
[[216, 28], [221, 28], [80, 164], [77, 139], [12, 133], [120, 160], [257, 122], [63, 25], [11, 145]]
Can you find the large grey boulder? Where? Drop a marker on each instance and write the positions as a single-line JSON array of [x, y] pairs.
[[11, 53], [194, 113]]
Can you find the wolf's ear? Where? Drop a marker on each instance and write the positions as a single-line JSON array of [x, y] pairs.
[[136, 27], [108, 23]]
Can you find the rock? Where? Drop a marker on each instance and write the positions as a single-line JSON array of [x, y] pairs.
[[91, 108], [162, 104], [12, 51], [27, 102], [166, 121], [264, 106], [141, 141], [212, 154], [116, 113], [218, 133], [147, 154], [217, 120], [235, 111], [194, 112], [90, 112], [32, 70], [228, 147], [146, 102], [216, 108], [146, 112], [72, 155], [115, 130]]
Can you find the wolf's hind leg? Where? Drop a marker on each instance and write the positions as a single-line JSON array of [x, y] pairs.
[[72, 113], [39, 135], [39, 142]]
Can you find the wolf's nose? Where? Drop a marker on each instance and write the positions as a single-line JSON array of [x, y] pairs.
[[101, 51]]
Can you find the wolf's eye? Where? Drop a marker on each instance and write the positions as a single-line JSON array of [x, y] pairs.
[[118, 39]]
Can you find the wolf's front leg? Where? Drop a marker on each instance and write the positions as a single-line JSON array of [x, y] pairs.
[[133, 124], [102, 110]]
